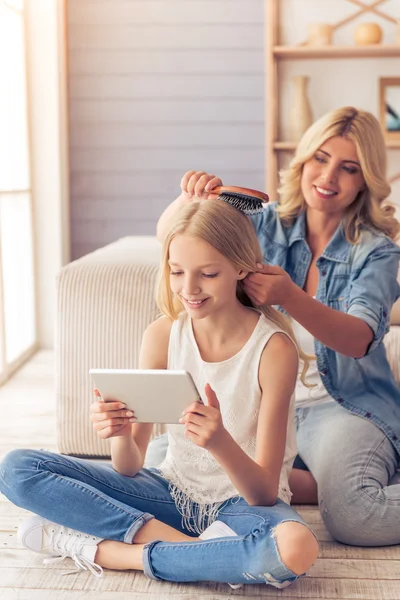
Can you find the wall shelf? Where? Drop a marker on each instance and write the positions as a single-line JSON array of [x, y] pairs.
[[303, 52], [393, 144]]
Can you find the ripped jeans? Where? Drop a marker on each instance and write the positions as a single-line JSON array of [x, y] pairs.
[[95, 499]]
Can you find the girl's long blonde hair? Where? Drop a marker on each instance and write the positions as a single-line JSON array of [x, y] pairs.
[[368, 209], [231, 233]]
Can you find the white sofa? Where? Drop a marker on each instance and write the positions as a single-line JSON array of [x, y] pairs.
[[105, 302]]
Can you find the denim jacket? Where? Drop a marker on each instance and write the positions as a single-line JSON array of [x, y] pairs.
[[360, 280]]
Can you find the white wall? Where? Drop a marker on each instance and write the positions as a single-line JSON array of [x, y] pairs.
[[156, 88], [49, 166]]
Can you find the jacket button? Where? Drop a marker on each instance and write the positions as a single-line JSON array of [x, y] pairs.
[[394, 438], [340, 400], [323, 273], [368, 415]]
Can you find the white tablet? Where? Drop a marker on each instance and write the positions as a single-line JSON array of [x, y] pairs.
[[155, 396]]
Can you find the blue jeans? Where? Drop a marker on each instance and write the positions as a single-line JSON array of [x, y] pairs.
[[95, 499], [353, 463]]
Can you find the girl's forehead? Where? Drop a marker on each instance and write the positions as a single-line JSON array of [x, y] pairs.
[[185, 248]]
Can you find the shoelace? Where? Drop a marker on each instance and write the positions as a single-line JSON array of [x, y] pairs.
[[69, 547], [82, 564]]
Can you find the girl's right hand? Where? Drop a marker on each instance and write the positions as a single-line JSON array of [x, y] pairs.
[[198, 185], [110, 419]]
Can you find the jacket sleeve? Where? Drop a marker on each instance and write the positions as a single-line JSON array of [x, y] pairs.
[[374, 289]]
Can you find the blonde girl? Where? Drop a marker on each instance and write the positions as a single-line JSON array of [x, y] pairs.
[[217, 507]]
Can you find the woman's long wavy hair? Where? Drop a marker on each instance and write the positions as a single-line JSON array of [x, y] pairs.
[[368, 209], [231, 233]]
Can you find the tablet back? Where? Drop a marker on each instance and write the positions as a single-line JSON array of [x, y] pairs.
[[155, 396]]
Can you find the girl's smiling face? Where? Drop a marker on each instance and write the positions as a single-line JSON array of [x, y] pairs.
[[332, 178], [203, 279]]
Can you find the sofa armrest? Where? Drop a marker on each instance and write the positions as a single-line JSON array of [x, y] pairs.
[[392, 344], [105, 301], [395, 314]]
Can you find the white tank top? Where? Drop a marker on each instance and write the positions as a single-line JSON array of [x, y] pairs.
[[306, 396], [198, 484]]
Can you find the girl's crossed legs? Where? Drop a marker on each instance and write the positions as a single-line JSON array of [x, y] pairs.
[[270, 547]]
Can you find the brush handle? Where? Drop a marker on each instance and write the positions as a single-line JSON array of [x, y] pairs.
[[232, 189]]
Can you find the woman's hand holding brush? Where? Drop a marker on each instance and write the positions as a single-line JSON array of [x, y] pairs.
[[198, 185], [195, 185]]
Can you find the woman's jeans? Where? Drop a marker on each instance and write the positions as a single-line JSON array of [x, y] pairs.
[[353, 463], [95, 499]]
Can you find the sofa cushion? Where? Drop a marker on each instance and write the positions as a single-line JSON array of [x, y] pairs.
[[395, 314], [105, 302]]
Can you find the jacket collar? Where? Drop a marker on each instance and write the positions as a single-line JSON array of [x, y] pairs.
[[338, 248]]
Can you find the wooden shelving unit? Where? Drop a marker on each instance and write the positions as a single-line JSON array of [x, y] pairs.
[[276, 53], [373, 51]]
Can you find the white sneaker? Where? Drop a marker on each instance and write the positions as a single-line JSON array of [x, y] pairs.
[[216, 530], [43, 536]]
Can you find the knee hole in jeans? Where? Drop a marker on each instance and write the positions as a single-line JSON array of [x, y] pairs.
[[297, 546]]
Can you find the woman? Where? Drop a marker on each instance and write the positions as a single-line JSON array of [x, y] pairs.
[[332, 266]]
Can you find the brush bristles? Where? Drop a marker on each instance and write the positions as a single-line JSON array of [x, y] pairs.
[[249, 205]]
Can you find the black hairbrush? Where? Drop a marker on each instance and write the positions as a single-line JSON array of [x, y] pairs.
[[248, 201]]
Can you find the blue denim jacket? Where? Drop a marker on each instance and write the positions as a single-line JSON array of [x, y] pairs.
[[360, 280]]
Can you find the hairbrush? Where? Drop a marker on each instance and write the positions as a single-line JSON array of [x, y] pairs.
[[248, 201]]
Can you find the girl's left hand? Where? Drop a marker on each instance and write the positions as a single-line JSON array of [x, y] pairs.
[[269, 285], [203, 424]]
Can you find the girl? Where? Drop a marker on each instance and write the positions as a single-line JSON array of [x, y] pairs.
[[332, 266], [230, 458]]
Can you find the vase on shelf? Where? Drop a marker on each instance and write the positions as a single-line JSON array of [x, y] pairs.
[[300, 114], [319, 34], [367, 33]]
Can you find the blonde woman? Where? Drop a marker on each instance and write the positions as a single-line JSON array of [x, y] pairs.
[[331, 264], [226, 472]]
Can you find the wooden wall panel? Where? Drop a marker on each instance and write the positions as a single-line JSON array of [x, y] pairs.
[[157, 88]]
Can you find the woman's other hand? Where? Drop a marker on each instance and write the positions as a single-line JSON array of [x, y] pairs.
[[110, 419], [269, 285], [198, 185]]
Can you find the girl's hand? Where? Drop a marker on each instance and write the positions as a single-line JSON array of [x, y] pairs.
[[198, 185], [269, 285], [203, 424], [110, 419]]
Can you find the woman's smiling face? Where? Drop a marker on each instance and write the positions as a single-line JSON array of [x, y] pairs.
[[332, 178]]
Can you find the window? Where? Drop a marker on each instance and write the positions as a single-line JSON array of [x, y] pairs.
[[17, 285]]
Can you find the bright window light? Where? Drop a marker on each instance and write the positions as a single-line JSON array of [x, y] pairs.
[[17, 301], [18, 273], [14, 158], [17, 5]]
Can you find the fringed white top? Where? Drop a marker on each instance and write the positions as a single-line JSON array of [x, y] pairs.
[[198, 484]]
